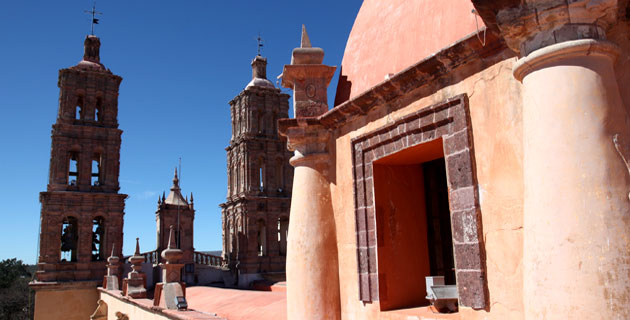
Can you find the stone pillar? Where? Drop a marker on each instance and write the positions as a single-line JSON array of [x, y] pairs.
[[135, 278], [576, 206], [312, 261]]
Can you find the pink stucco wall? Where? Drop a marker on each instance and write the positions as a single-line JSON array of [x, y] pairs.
[[389, 36]]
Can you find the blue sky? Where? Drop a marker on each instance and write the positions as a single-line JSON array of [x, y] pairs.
[[181, 62]]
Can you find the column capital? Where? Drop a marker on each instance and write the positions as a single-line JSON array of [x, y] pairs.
[[308, 138], [564, 50], [533, 24]]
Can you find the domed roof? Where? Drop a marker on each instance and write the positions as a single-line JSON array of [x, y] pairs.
[[389, 36]]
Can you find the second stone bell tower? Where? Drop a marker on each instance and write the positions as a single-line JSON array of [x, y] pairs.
[[256, 213]]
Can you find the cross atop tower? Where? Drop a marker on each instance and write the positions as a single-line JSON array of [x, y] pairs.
[[260, 44], [93, 12]]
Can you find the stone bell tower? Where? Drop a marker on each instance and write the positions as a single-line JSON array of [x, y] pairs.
[[82, 211], [256, 213], [177, 211]]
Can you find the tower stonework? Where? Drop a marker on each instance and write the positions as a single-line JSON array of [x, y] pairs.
[[82, 211], [256, 214], [174, 210]]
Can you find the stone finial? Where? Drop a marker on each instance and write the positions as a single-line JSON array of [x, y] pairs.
[[191, 198], [306, 54], [175, 180], [111, 279], [135, 278], [171, 272], [172, 255], [306, 42], [112, 260], [308, 78], [92, 45], [137, 253]]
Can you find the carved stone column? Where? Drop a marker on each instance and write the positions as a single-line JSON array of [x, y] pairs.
[[576, 206], [312, 261]]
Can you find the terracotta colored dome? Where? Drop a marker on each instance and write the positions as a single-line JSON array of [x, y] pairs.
[[389, 36]]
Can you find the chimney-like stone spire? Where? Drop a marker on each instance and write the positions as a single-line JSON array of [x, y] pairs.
[[111, 279], [306, 42], [171, 272], [175, 181], [308, 78], [135, 279]]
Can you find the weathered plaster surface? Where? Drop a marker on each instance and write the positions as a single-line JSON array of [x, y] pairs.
[[495, 107], [408, 33], [65, 303]]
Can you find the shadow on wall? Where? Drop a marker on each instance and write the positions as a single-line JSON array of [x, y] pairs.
[[343, 88]]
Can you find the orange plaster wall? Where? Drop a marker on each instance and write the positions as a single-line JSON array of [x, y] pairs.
[[495, 106], [388, 36], [70, 304]]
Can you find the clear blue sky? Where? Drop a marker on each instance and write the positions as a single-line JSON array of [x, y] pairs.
[[181, 62]]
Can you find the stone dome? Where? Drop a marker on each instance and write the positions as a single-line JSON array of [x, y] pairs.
[[389, 36]]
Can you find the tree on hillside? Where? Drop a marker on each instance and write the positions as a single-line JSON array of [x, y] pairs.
[[14, 291]]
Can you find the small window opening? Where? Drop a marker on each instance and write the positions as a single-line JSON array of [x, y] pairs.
[[78, 112], [96, 170], [73, 169], [98, 232], [69, 239], [262, 238], [283, 232], [261, 184], [98, 112]]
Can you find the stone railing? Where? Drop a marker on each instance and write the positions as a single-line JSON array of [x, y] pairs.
[[152, 256], [207, 259]]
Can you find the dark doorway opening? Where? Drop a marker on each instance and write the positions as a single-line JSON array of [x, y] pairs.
[[413, 224], [439, 236]]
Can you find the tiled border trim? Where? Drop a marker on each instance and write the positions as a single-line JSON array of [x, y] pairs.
[[451, 121]]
